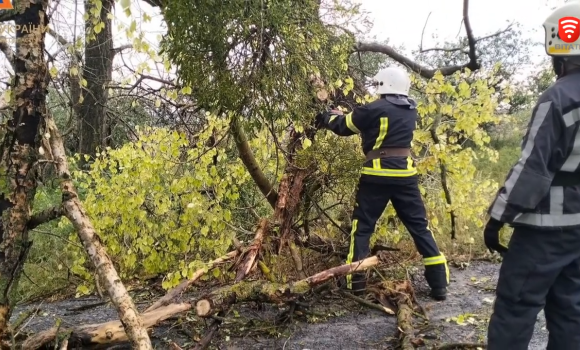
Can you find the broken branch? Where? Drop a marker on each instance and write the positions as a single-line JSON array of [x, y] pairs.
[[252, 251], [221, 298], [175, 292], [99, 335]]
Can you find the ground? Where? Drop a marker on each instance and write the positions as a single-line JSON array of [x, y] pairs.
[[335, 323]]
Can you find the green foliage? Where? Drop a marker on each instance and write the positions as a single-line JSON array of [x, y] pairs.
[[160, 204], [255, 57], [457, 111]]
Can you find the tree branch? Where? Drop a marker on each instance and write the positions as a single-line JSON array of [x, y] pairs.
[[469, 32], [425, 72], [116, 50], [44, 217], [64, 44], [462, 48]]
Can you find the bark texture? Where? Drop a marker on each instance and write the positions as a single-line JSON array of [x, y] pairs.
[[220, 299], [98, 69], [101, 336], [74, 211], [19, 149]]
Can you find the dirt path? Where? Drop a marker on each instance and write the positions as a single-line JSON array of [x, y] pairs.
[[337, 324]]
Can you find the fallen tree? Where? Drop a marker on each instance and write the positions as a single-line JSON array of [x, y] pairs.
[[221, 298], [74, 211], [102, 335], [99, 336], [285, 203]]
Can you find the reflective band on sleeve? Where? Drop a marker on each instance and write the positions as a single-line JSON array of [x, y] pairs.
[[350, 125], [332, 117]]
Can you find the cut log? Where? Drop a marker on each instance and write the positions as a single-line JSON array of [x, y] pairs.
[[401, 294], [405, 322], [252, 251], [102, 335], [221, 298], [73, 209], [175, 292]]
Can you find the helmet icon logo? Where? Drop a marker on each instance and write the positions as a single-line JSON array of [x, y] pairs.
[[569, 29]]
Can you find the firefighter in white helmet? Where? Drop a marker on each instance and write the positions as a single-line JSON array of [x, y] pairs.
[[388, 174], [541, 200]]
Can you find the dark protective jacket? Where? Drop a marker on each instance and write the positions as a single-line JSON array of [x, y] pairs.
[[543, 187], [388, 122]]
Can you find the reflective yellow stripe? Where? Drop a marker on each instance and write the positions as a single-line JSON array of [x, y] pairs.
[[377, 164], [388, 172], [350, 125], [351, 252], [382, 132], [332, 117], [435, 260], [410, 164]]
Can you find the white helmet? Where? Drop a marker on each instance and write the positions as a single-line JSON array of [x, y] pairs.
[[562, 29], [392, 80]]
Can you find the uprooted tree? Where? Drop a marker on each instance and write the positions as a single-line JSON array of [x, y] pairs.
[[254, 74]]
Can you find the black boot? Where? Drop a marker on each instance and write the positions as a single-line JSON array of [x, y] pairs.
[[438, 294], [436, 276], [359, 284]]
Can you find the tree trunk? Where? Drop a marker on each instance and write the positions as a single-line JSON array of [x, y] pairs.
[[19, 148], [97, 71], [74, 211], [101, 336]]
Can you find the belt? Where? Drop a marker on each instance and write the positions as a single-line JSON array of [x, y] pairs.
[[564, 178], [388, 152]]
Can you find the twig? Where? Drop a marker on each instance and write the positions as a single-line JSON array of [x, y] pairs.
[[426, 72], [367, 303], [89, 306], [423, 32], [457, 346]]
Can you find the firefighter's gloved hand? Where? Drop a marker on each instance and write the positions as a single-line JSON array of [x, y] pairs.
[[491, 236], [319, 121]]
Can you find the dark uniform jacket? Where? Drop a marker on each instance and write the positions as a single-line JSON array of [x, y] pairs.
[[385, 123], [543, 187]]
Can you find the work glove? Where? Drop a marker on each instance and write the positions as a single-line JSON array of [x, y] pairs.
[[319, 120], [491, 236]]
